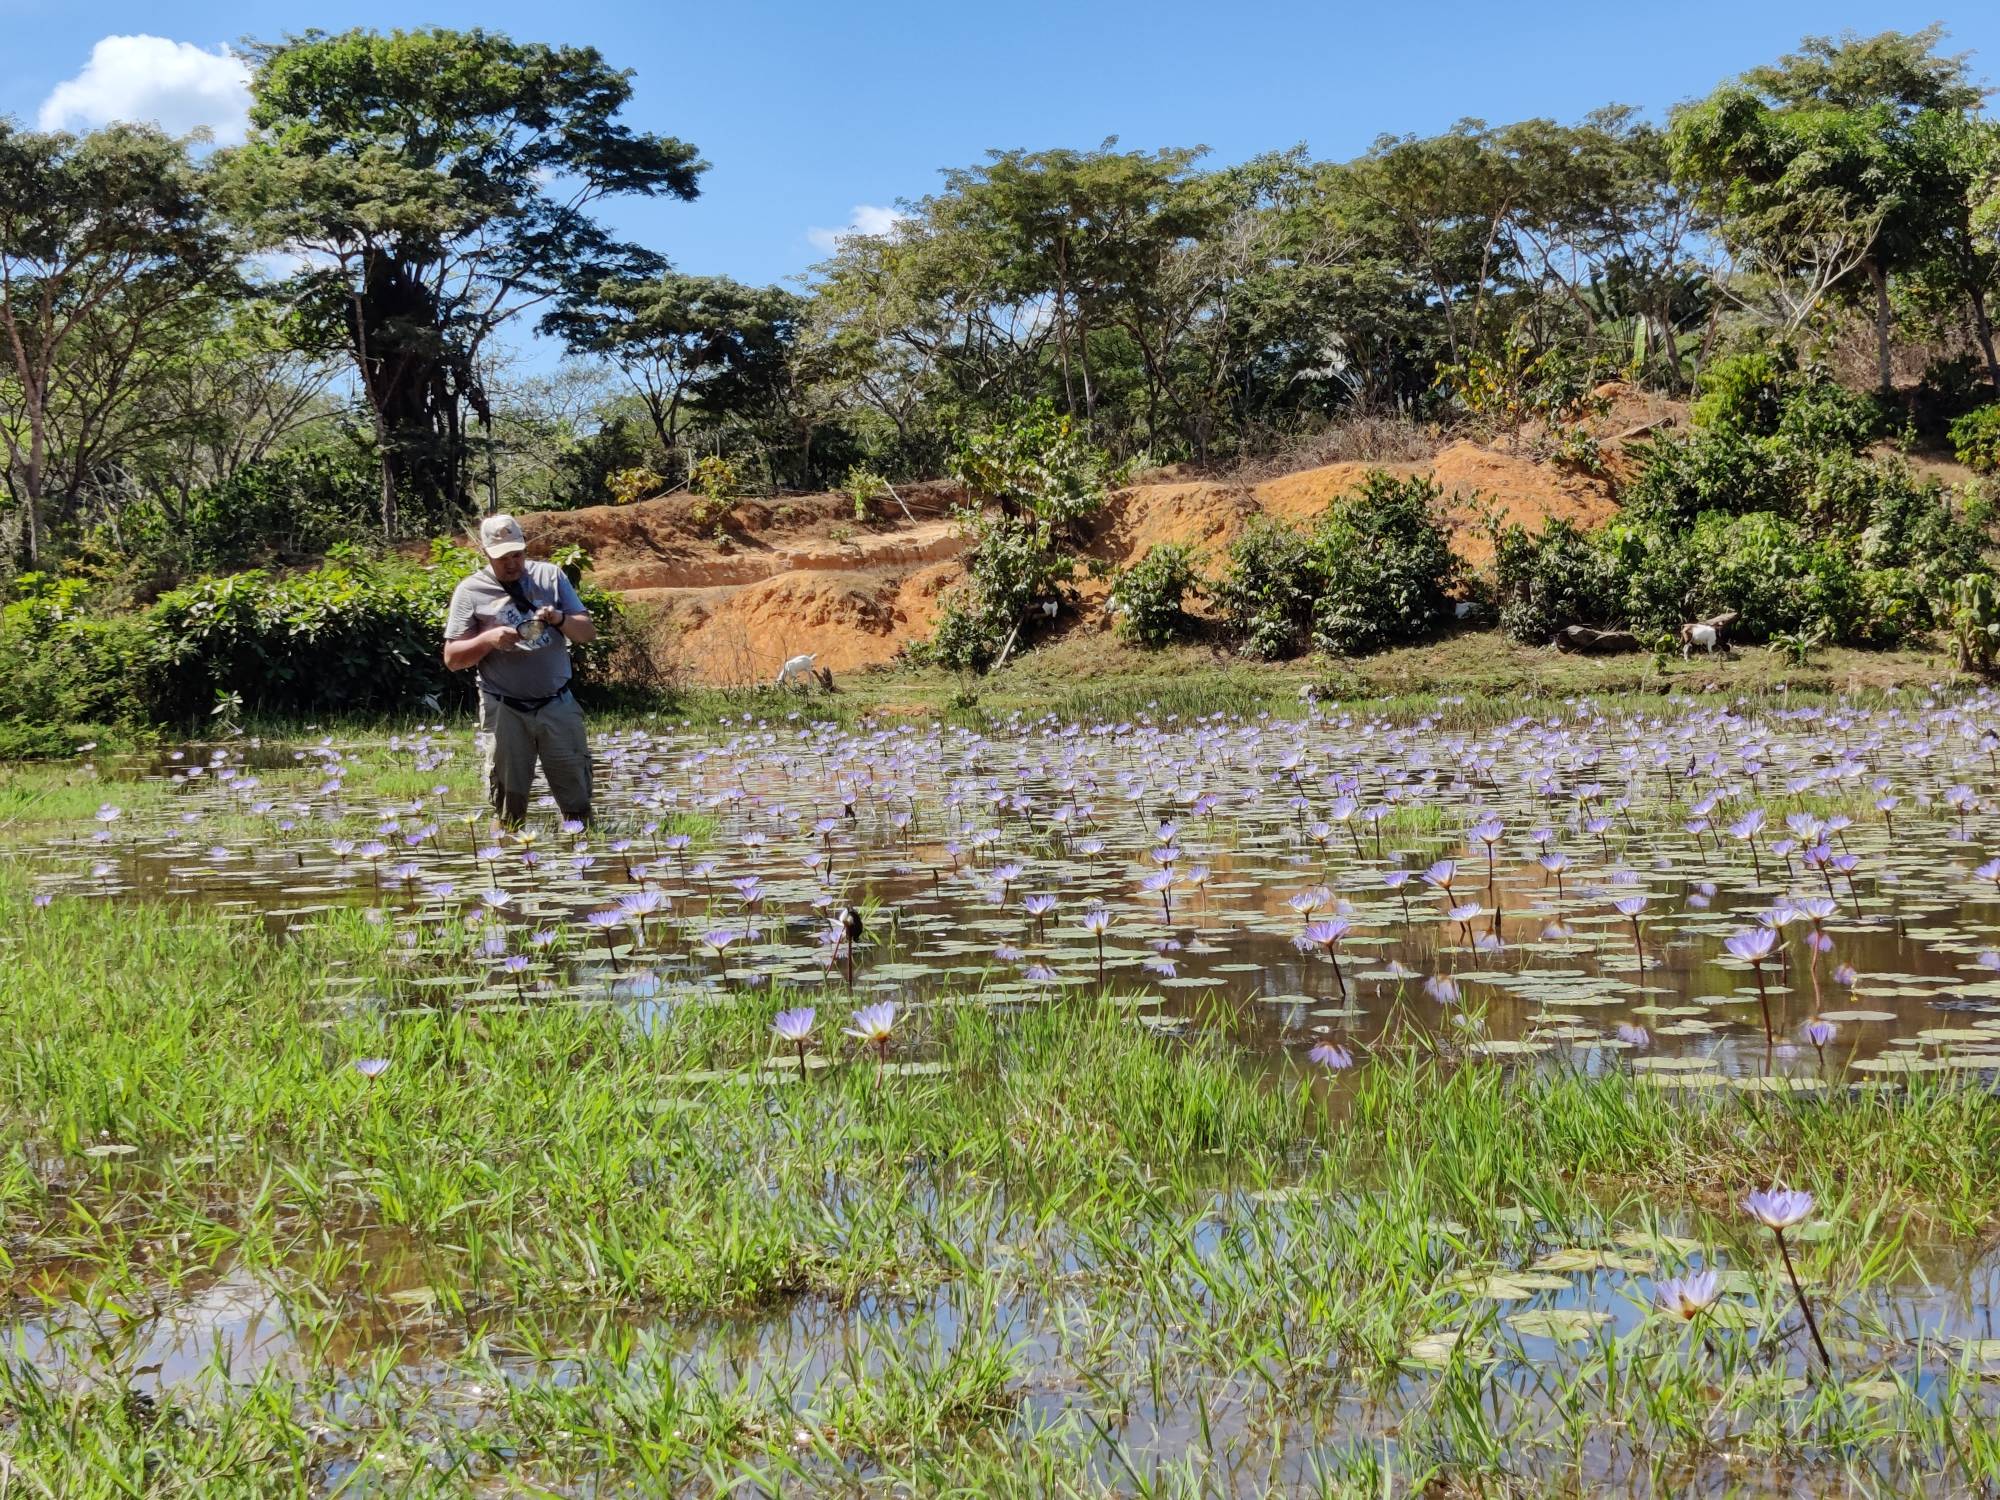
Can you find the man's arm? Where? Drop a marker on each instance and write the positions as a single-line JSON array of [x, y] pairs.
[[471, 650], [577, 626]]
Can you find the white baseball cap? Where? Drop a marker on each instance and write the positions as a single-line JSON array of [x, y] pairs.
[[499, 535]]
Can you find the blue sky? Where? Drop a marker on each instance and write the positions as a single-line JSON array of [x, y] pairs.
[[809, 112]]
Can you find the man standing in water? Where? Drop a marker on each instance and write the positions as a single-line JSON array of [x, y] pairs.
[[515, 621]]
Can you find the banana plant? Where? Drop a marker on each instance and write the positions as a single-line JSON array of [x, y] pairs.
[[1973, 609]]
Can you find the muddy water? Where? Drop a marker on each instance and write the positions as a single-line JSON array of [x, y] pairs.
[[1934, 1313]]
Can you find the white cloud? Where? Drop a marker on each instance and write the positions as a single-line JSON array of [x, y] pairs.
[[867, 218], [150, 80]]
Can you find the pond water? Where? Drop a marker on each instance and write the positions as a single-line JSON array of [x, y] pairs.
[[1294, 870]]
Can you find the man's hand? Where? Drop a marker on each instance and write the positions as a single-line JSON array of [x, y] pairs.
[[503, 638], [548, 614]]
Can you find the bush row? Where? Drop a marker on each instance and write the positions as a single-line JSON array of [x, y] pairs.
[[354, 634], [1375, 570], [1769, 508]]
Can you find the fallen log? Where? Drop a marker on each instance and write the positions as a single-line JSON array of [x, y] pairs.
[[1584, 641]]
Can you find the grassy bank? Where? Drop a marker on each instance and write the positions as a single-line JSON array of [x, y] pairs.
[[1470, 677], [586, 1246]]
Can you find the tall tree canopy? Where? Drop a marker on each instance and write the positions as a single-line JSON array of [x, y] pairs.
[[688, 345], [104, 238], [1816, 166], [436, 183]]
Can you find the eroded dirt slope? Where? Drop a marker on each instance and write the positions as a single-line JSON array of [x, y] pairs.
[[778, 579]]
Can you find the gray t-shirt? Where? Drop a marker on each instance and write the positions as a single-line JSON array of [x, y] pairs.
[[536, 668]]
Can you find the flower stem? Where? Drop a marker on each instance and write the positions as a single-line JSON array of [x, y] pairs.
[[1805, 1307]]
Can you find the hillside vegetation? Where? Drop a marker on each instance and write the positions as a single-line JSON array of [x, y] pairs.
[[1625, 372]]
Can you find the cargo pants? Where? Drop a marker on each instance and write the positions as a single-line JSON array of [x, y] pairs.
[[514, 740]]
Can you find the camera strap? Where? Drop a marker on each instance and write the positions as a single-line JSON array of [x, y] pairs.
[[523, 601]]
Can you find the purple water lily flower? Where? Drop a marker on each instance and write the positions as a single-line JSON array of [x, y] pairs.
[[1752, 945], [873, 1025], [1687, 1297], [1331, 1057], [1779, 1209]]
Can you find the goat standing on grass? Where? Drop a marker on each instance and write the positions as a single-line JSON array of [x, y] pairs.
[[798, 666], [1705, 636]]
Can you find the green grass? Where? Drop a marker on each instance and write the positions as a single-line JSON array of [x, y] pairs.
[[553, 1249], [1464, 678]]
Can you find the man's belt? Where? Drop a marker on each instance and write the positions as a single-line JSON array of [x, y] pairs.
[[531, 705]]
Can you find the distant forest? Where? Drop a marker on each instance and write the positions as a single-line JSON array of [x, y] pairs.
[[206, 350]]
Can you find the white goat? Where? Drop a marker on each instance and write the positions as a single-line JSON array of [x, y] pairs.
[[798, 666], [1704, 636]]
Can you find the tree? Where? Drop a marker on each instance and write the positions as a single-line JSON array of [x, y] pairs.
[[233, 388], [925, 325], [438, 183], [1598, 226], [687, 344], [1076, 231], [1810, 164], [1440, 206], [102, 238], [1959, 269]]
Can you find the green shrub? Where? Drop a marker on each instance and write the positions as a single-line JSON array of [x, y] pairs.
[[1824, 416], [1920, 525], [1012, 566], [1386, 564], [1560, 577], [1659, 573], [1776, 579], [67, 667], [1722, 470], [629, 486], [1033, 462], [1373, 572], [295, 503], [356, 633], [1742, 393], [1265, 597], [1975, 438], [1149, 597], [714, 476], [863, 487], [1971, 608], [1046, 479], [353, 635]]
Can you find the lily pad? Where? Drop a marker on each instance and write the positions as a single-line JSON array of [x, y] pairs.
[[1563, 1324]]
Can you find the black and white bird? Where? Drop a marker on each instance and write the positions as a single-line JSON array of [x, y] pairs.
[[848, 922]]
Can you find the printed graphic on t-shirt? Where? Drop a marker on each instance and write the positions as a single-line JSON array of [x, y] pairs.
[[534, 634]]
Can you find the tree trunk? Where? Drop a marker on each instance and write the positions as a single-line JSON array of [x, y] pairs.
[[388, 487], [414, 391], [1982, 329], [1880, 279], [32, 479], [1062, 351]]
